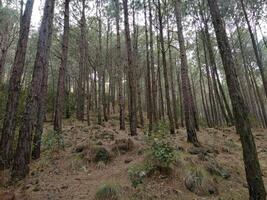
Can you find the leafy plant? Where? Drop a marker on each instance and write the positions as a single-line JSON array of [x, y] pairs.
[[107, 192], [53, 140], [163, 153], [138, 173]]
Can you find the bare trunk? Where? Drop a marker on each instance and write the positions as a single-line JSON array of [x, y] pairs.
[[62, 70], [131, 72], [9, 124], [165, 72], [255, 48], [81, 89], [187, 96], [150, 110], [35, 103], [119, 68], [252, 166], [152, 65]]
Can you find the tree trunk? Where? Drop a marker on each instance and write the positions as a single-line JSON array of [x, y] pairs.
[[131, 72], [119, 67], [201, 85], [2, 63], [62, 70], [174, 103], [81, 89], [138, 70], [187, 96], [161, 102], [9, 123], [152, 65], [255, 48], [149, 95], [165, 72], [36, 98], [252, 166]]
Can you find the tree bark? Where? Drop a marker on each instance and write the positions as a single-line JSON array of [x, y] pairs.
[[255, 48], [174, 103], [131, 72], [81, 89], [62, 70], [252, 166], [165, 72], [149, 95], [187, 96], [152, 65], [35, 101], [9, 123]]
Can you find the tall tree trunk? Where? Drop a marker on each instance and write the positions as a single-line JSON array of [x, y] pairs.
[[252, 166], [149, 95], [81, 89], [180, 96], [174, 103], [67, 95], [152, 64], [213, 110], [214, 74], [2, 63], [255, 48], [36, 98], [9, 124], [100, 65], [187, 96], [131, 72], [249, 84], [138, 70], [165, 71], [201, 84], [119, 67], [161, 102], [260, 98], [105, 114], [62, 70]]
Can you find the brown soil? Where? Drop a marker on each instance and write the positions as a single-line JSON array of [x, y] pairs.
[[63, 174]]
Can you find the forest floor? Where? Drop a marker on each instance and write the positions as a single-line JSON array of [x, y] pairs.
[[71, 174]]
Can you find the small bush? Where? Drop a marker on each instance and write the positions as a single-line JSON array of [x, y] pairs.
[[160, 131], [138, 173], [107, 192], [163, 153], [198, 182], [231, 144], [101, 154], [52, 140]]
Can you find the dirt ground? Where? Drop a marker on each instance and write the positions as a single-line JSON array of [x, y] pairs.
[[62, 174]]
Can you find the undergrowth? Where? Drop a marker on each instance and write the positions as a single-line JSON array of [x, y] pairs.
[[53, 141]]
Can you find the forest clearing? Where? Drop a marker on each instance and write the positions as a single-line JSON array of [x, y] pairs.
[[133, 99]]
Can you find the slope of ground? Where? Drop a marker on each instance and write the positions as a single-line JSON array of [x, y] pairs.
[[64, 174]]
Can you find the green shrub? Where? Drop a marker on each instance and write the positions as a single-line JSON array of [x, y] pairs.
[[138, 173], [163, 153], [52, 140], [159, 130], [101, 155], [107, 192]]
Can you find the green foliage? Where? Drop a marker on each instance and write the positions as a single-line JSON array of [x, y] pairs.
[[231, 144], [52, 140], [101, 154], [163, 153], [107, 192], [138, 173], [159, 130]]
